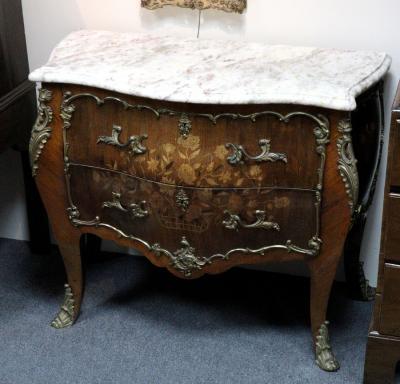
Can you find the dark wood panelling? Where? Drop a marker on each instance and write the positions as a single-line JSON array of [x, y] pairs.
[[18, 112], [13, 57]]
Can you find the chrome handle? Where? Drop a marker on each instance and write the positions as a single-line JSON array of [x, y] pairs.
[[234, 222], [138, 211], [239, 154], [134, 143]]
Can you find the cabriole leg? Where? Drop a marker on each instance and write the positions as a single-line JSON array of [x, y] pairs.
[[321, 284], [70, 308], [46, 151]]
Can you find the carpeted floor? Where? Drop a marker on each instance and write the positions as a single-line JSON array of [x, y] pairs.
[[140, 325]]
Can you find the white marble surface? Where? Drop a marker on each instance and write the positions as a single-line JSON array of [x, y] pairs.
[[213, 72]]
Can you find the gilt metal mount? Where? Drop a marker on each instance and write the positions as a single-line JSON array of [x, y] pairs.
[[234, 222], [41, 131], [239, 154], [138, 210], [325, 358], [347, 163], [65, 317], [134, 143], [184, 259]]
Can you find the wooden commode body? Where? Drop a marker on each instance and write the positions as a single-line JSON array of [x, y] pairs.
[[200, 187]]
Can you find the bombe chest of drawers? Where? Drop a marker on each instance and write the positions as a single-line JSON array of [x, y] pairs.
[[206, 155]]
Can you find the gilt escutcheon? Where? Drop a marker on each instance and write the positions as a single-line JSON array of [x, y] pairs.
[[182, 200], [185, 125]]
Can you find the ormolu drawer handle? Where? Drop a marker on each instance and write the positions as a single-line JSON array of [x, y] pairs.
[[234, 221], [239, 154], [134, 142], [138, 211]]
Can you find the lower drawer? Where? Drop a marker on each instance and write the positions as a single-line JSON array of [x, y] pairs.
[[390, 308], [392, 242], [214, 224]]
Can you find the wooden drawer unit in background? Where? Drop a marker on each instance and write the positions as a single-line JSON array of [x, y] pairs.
[[391, 246], [383, 349], [395, 174], [390, 308]]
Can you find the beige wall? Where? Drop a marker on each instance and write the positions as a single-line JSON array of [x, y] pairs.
[[357, 24]]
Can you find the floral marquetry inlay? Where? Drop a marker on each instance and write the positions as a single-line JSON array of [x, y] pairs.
[[192, 166]]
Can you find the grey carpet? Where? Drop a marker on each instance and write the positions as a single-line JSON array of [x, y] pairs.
[[140, 325]]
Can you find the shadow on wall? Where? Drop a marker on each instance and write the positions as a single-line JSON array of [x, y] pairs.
[[169, 20], [180, 20], [13, 220], [46, 24], [223, 24]]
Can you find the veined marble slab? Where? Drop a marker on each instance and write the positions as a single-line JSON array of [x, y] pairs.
[[211, 71]]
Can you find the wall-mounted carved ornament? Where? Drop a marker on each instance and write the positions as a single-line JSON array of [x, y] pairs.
[[223, 5]]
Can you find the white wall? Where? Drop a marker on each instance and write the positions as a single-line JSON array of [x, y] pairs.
[[356, 24]]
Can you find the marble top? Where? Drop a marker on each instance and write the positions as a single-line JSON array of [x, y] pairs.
[[213, 71]]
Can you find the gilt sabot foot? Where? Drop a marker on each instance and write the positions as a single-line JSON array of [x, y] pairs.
[[325, 358], [65, 317]]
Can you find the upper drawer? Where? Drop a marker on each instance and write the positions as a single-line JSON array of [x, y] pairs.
[[191, 145]]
